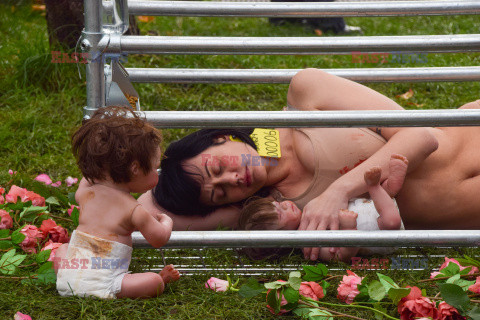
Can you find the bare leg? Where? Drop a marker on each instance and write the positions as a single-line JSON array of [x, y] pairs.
[[60, 254], [148, 284], [397, 171], [389, 216]]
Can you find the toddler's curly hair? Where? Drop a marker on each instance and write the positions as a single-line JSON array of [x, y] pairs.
[[110, 141]]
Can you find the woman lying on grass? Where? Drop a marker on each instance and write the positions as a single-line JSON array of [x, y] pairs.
[[321, 169]]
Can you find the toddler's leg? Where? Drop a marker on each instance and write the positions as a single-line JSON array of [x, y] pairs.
[[148, 284], [397, 171], [389, 216]]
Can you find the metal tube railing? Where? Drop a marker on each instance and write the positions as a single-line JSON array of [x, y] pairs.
[[282, 119], [94, 71], [342, 238], [304, 9], [293, 45], [173, 75]]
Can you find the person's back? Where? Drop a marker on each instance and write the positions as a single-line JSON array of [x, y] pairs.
[[118, 154]]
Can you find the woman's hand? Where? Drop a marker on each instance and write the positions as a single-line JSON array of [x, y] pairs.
[[321, 213]]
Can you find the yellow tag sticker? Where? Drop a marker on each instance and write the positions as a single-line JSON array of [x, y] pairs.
[[267, 142]]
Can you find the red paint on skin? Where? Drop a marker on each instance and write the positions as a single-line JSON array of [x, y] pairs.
[[346, 168]]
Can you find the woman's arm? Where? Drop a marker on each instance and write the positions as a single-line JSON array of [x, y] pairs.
[[222, 217], [312, 89]]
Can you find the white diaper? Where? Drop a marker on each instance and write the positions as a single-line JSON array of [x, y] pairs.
[[367, 221], [92, 267]]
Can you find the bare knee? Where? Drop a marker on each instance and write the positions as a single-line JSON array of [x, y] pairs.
[[471, 105]]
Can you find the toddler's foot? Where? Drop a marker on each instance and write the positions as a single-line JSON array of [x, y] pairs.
[[372, 176], [347, 219], [169, 274], [397, 170]]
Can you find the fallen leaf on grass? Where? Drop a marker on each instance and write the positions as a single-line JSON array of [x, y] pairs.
[[407, 95], [145, 18], [416, 104], [38, 7]]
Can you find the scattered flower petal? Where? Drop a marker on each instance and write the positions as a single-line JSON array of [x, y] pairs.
[[217, 284], [11, 172], [44, 178], [145, 18], [475, 288], [71, 181], [21, 316], [57, 184]]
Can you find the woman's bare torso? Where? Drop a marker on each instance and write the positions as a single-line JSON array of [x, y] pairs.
[[442, 193]]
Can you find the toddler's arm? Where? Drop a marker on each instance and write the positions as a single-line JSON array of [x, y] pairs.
[[156, 231]]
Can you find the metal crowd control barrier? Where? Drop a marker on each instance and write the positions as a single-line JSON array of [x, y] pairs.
[[94, 40]]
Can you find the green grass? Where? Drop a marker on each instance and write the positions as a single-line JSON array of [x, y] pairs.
[[42, 103]]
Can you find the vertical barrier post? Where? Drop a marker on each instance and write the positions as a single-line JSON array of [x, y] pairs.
[[92, 35]]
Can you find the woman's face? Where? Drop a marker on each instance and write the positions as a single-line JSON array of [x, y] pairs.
[[288, 215], [227, 172]]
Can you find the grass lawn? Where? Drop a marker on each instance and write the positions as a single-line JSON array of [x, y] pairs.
[[42, 103]]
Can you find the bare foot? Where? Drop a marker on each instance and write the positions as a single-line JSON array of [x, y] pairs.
[[348, 219], [169, 274], [397, 170], [372, 176]]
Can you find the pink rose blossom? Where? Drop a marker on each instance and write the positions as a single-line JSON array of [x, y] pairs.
[[21, 316], [24, 195], [445, 264], [311, 290], [475, 288], [415, 306], [71, 181], [6, 221], [282, 303], [217, 284], [2, 200], [69, 211], [447, 312], [44, 178], [2, 190], [55, 232], [52, 246], [348, 288], [32, 235]]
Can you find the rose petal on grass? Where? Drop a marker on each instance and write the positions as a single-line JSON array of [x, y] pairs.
[[70, 181], [44, 178]]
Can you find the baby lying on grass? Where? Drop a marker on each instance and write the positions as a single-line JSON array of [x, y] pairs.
[[378, 213]]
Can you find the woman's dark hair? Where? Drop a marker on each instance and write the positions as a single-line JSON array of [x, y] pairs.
[[177, 190]]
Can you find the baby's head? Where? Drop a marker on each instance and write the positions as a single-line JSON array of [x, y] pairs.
[[116, 144], [263, 214]]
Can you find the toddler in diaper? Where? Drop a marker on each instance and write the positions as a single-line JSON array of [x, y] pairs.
[[118, 153], [379, 212]]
